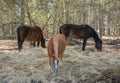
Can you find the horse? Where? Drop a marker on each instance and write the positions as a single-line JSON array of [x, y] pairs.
[[56, 47], [32, 34], [83, 31]]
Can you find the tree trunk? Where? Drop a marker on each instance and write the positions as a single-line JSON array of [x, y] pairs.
[[65, 11], [100, 22], [22, 12]]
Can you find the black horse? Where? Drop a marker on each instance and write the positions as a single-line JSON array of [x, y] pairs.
[[32, 34], [83, 31]]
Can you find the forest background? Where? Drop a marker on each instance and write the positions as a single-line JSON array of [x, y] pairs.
[[102, 15]]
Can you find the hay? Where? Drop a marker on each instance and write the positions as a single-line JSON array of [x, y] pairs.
[[31, 65]]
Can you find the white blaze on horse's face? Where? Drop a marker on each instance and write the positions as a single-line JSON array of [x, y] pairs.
[[56, 64]]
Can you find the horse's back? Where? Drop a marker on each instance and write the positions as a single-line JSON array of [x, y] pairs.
[[59, 37], [30, 33], [69, 27], [34, 34], [77, 31], [57, 41]]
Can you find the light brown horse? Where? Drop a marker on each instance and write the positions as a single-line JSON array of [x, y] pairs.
[[56, 47], [27, 33]]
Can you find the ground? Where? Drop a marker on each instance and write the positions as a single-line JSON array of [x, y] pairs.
[[31, 64]]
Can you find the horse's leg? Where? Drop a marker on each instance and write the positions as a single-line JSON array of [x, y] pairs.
[[20, 44], [34, 43], [38, 42], [84, 44], [31, 43]]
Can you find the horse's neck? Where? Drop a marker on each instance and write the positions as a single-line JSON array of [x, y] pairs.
[[95, 37]]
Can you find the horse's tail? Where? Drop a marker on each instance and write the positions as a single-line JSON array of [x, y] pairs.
[[42, 41], [65, 29], [18, 35], [42, 38], [60, 31]]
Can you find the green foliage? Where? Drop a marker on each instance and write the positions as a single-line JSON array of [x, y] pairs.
[[53, 13]]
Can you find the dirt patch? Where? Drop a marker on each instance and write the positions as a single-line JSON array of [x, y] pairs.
[[31, 65]]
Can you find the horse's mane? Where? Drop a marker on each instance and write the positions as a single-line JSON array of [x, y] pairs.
[[95, 35]]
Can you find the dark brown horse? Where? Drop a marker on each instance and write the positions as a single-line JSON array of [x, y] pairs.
[[27, 33], [83, 31]]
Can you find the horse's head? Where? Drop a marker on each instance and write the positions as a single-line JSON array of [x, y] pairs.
[[98, 45], [55, 66], [43, 43]]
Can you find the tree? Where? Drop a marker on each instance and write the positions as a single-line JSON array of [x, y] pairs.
[[102, 15]]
